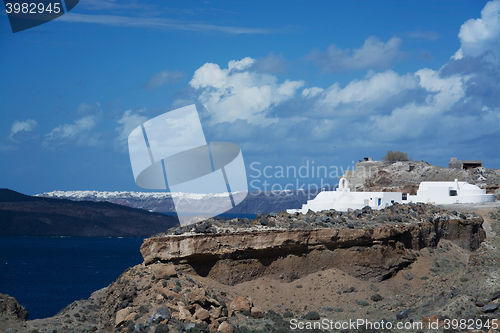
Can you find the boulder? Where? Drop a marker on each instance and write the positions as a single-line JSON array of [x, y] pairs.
[[214, 325], [215, 312], [202, 314], [130, 316], [403, 314], [122, 315], [196, 296], [257, 312], [225, 327], [239, 303], [490, 307], [184, 313], [213, 301], [161, 313]]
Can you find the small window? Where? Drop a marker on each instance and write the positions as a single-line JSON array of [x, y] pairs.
[[404, 196], [453, 193]]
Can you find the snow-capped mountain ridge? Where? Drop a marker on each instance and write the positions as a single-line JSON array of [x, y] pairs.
[[163, 201], [126, 194]]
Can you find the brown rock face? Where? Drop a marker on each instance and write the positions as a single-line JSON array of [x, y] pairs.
[[239, 304], [370, 253], [122, 315], [10, 309]]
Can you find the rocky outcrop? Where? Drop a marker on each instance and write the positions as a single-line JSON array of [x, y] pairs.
[[10, 309], [406, 176], [358, 248], [349, 253]]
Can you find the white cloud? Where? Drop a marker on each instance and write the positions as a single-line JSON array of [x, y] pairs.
[[161, 78], [373, 54], [18, 127], [239, 93], [79, 132], [128, 122], [273, 64], [156, 23], [412, 119], [458, 55], [311, 92], [427, 112], [483, 34], [359, 96]]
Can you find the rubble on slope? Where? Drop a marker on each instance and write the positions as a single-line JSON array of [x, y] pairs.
[[366, 217]]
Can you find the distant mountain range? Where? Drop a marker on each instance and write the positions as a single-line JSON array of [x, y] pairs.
[[263, 202], [24, 215]]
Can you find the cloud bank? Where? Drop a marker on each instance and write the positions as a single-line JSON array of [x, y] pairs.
[[240, 93], [431, 112], [373, 54], [481, 35]]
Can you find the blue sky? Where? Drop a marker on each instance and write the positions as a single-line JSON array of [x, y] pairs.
[[291, 83]]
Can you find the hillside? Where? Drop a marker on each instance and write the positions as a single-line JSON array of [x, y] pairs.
[[406, 177], [403, 264], [23, 215]]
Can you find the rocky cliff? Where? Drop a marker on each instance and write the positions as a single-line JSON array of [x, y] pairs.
[[405, 262], [353, 242]]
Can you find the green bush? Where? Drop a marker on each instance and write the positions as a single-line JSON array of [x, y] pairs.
[[395, 156], [312, 315], [361, 302], [162, 328]]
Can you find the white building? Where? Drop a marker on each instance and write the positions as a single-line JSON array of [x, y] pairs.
[[342, 199], [439, 193], [442, 193]]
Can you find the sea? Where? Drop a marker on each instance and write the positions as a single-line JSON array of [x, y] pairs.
[[45, 274]]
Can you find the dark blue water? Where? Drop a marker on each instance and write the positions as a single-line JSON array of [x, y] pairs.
[[46, 274]]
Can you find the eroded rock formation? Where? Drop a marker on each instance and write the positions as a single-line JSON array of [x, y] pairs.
[[353, 245]]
